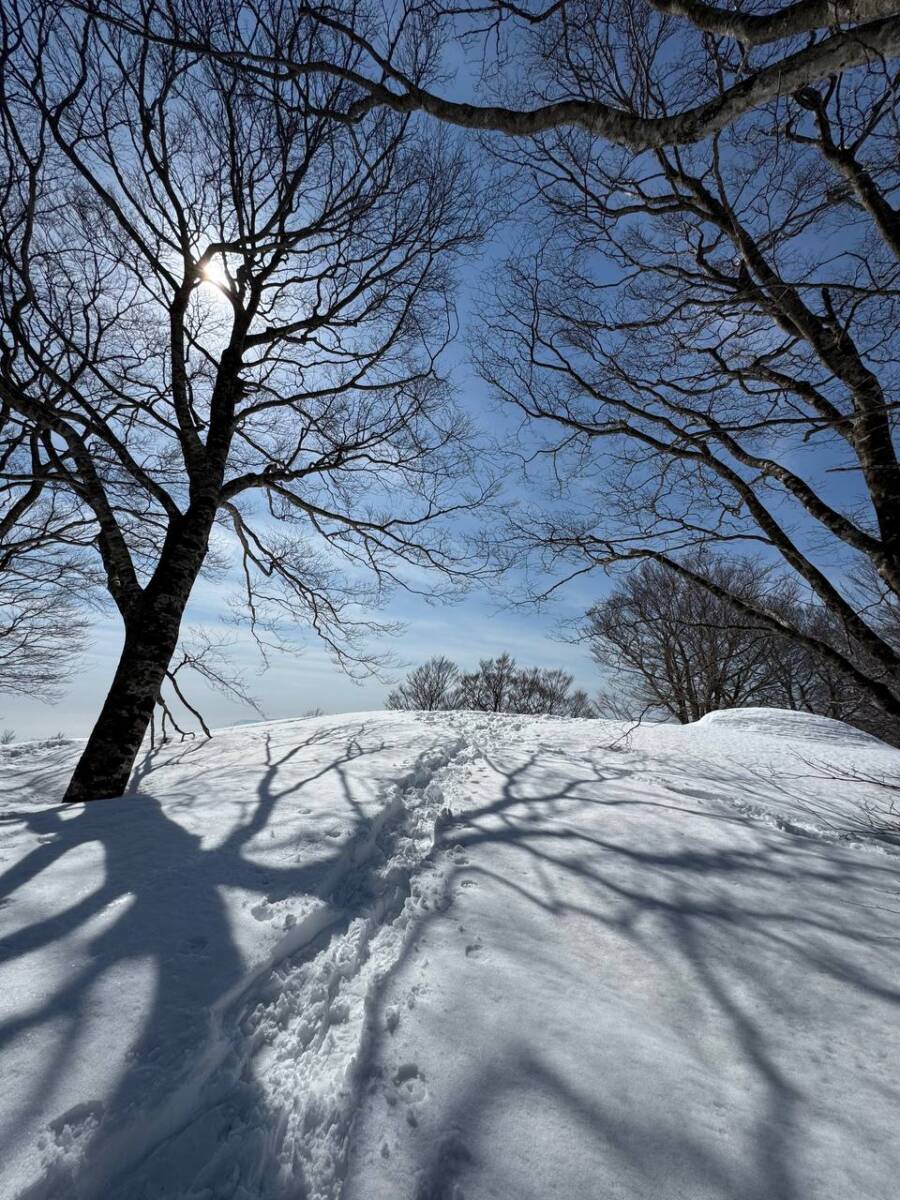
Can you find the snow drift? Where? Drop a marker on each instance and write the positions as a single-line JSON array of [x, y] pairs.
[[454, 956]]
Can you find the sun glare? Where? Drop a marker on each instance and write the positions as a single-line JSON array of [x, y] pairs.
[[214, 273]]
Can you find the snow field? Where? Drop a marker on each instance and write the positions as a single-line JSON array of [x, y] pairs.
[[453, 957]]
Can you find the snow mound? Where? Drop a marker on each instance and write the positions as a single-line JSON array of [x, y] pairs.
[[785, 723], [453, 956]]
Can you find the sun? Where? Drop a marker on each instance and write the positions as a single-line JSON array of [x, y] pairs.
[[214, 272]]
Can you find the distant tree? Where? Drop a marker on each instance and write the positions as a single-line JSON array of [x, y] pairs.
[[545, 691], [808, 681], [430, 686], [492, 687], [498, 685], [676, 647]]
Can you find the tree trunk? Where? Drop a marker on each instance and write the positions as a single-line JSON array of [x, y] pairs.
[[151, 635]]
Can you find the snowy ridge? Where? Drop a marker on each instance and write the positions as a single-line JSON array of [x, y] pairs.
[[813, 775]]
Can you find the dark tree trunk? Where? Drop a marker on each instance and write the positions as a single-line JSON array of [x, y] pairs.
[[105, 765], [151, 636]]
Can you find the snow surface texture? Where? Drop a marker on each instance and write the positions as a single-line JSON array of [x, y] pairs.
[[453, 957]]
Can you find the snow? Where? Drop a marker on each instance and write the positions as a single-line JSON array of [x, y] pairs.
[[451, 957]]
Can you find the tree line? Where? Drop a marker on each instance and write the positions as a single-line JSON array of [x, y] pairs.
[[498, 685], [229, 241]]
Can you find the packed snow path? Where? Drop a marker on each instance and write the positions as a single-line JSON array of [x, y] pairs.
[[452, 957]]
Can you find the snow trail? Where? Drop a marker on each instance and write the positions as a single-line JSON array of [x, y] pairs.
[[274, 1089]]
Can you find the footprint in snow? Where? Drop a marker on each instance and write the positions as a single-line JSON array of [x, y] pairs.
[[409, 1090], [71, 1129], [452, 1158]]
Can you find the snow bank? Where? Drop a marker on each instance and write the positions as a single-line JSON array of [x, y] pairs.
[[785, 723], [454, 956]]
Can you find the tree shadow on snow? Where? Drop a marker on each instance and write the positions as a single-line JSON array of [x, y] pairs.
[[701, 915], [160, 904], [732, 929]]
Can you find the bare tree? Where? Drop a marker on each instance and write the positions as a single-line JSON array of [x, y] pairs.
[[491, 688], [809, 682], [705, 348], [545, 691], [671, 646], [42, 576], [676, 647], [206, 658], [42, 631], [707, 65], [220, 306], [430, 686], [498, 685]]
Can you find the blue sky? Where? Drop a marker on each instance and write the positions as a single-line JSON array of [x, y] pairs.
[[296, 683], [477, 626]]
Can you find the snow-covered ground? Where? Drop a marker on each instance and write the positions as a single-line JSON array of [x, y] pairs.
[[453, 957]]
